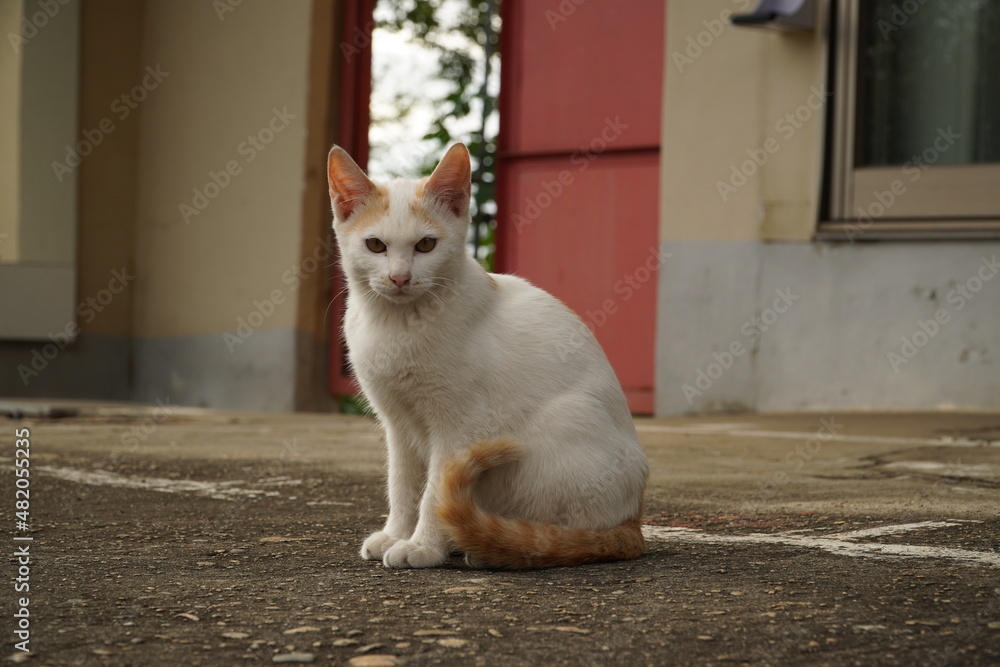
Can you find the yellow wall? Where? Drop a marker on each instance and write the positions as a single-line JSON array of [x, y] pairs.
[[37, 124], [728, 90], [225, 77], [204, 187]]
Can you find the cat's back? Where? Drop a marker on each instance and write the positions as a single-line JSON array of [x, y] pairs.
[[528, 304], [536, 321]]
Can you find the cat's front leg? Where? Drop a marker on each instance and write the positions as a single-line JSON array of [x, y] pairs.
[[406, 472], [428, 546]]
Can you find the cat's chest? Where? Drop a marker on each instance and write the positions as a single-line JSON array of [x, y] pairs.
[[406, 352], [413, 375]]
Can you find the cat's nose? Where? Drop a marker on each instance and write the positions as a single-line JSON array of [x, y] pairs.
[[401, 279]]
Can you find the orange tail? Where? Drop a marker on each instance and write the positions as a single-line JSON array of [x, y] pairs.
[[492, 541]]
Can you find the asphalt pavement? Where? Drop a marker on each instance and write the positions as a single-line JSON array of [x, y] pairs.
[[163, 535]]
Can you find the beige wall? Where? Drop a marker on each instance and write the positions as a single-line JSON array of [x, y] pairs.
[[207, 189], [48, 127], [225, 77], [39, 122], [755, 313], [728, 90]]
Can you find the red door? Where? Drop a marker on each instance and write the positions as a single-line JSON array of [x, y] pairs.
[[578, 167], [350, 129]]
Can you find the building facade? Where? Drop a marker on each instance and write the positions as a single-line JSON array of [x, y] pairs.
[[749, 218]]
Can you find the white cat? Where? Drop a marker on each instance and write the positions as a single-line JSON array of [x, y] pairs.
[[505, 442]]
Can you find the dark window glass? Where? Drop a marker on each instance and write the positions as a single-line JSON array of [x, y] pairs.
[[928, 67]]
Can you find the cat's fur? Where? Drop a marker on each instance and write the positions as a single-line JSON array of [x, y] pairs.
[[508, 435]]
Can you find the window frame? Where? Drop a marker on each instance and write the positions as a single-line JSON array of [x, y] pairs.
[[912, 214]]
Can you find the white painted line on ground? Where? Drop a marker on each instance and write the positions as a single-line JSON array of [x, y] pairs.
[[842, 544], [979, 470], [901, 528], [222, 490], [816, 435]]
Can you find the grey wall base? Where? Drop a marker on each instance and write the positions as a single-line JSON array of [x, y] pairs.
[[859, 331], [91, 366], [273, 370], [257, 374]]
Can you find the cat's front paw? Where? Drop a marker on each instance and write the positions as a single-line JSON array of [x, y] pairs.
[[376, 545], [405, 553]]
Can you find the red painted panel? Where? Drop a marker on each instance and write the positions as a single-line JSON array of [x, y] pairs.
[[578, 168], [351, 133], [567, 71], [595, 246]]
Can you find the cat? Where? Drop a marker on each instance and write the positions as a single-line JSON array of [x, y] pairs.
[[499, 446]]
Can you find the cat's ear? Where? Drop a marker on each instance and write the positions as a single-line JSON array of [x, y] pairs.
[[450, 185], [349, 187]]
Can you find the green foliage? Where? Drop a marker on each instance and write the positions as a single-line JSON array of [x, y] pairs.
[[464, 35], [355, 405]]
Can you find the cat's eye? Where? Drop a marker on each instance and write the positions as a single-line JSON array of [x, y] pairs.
[[426, 244], [375, 245]]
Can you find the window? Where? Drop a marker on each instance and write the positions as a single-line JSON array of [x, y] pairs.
[[39, 79], [916, 123]]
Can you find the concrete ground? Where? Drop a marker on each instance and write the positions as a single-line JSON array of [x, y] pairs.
[[177, 536]]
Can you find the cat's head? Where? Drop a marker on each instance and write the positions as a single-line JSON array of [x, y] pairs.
[[404, 238]]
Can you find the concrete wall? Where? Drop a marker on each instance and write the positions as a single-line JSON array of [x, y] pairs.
[[204, 240], [755, 315], [38, 119], [219, 219], [49, 94], [727, 93], [97, 363]]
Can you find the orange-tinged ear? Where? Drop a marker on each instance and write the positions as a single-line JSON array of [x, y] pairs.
[[451, 183], [349, 187]]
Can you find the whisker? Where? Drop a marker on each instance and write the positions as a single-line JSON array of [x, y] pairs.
[[442, 286], [438, 298]]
